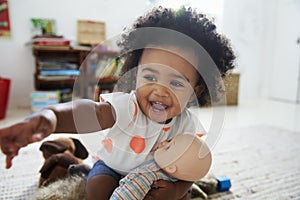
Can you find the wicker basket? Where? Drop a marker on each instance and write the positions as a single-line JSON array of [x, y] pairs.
[[232, 89]]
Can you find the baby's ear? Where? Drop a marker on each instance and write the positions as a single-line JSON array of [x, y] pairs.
[[198, 89], [171, 169]]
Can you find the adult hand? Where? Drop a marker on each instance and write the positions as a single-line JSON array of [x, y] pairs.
[[21, 134], [163, 190]]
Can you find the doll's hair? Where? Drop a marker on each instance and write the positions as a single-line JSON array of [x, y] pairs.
[[195, 25]]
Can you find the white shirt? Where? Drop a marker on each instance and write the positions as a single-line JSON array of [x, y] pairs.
[[134, 137]]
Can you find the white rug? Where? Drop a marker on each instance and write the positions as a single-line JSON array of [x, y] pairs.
[[20, 182], [262, 163]]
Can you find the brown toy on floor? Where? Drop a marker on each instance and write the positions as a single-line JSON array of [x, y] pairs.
[[59, 154], [210, 185], [72, 187]]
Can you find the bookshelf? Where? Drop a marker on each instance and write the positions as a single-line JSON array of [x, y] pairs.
[[81, 70]]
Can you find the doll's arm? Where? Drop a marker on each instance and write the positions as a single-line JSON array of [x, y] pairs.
[[133, 186]]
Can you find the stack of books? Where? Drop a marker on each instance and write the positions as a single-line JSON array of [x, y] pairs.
[[51, 41], [109, 68], [58, 69], [40, 99]]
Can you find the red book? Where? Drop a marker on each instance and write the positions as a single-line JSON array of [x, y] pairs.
[[51, 42]]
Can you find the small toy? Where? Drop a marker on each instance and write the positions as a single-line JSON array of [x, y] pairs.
[[224, 184], [210, 185], [59, 154]]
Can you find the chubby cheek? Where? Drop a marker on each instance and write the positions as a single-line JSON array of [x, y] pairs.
[[182, 101], [142, 96]]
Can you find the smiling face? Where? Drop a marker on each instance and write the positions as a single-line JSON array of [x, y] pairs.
[[165, 84]]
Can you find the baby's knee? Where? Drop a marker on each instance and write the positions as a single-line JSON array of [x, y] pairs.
[[100, 187]]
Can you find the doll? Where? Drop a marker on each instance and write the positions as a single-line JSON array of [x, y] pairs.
[[186, 157]]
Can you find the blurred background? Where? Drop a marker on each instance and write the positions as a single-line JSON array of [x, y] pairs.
[[265, 35]]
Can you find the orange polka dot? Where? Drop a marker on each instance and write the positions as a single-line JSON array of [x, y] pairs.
[[137, 144], [101, 99], [107, 143], [199, 134], [165, 129]]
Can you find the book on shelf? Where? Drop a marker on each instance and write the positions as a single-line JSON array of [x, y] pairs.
[[51, 65], [54, 78], [60, 72], [101, 64], [40, 99], [118, 69], [112, 68], [48, 41], [59, 59], [109, 69]]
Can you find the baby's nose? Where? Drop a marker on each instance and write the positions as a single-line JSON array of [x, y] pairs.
[[161, 90]]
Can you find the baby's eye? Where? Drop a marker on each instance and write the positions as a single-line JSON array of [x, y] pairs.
[[175, 83], [150, 78]]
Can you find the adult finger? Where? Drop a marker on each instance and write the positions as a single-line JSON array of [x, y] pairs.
[[9, 161], [10, 151]]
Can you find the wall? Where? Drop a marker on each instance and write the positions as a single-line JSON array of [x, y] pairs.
[[245, 24], [248, 23], [252, 26], [16, 59]]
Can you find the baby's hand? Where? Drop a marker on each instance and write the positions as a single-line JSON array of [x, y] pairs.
[[162, 144], [33, 129]]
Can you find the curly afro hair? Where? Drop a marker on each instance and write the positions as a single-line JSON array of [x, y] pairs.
[[196, 26]]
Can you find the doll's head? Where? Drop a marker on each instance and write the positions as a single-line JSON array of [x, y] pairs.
[[185, 157]]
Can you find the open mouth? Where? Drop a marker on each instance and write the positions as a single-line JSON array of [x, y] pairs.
[[158, 106]]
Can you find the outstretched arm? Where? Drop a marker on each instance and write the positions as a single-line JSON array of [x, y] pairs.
[[82, 116], [73, 117]]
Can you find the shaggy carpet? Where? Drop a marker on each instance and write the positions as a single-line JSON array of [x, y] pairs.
[[262, 163]]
